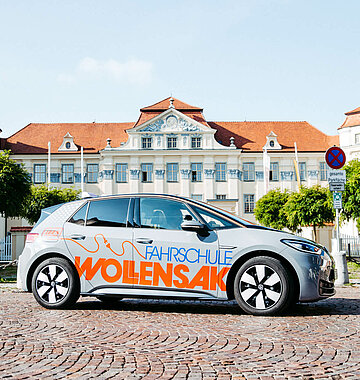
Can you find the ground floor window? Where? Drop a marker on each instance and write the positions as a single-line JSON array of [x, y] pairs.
[[197, 197], [196, 172], [67, 171], [172, 172], [146, 172], [39, 173], [92, 173], [121, 172], [249, 203]]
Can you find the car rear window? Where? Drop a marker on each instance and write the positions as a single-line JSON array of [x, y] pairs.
[[108, 213], [79, 216]]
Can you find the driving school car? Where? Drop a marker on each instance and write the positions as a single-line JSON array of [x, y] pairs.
[[148, 245]]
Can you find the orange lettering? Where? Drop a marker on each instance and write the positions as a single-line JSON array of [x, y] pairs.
[[201, 278], [217, 278], [184, 280], [130, 276], [87, 267], [144, 272], [104, 273], [160, 273]]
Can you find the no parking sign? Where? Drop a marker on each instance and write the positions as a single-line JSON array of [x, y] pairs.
[[335, 157]]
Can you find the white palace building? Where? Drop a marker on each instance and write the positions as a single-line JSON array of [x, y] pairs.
[[173, 149]]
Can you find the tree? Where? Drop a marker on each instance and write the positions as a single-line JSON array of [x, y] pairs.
[[15, 185], [351, 195], [310, 207], [40, 197], [269, 209]]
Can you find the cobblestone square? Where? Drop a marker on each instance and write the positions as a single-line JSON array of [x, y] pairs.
[[136, 339]]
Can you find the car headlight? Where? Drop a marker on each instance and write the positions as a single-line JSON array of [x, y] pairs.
[[303, 246]]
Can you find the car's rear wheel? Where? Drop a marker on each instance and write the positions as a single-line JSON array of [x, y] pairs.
[[263, 286], [55, 284]]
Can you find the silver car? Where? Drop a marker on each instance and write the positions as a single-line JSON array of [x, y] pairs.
[[148, 245]]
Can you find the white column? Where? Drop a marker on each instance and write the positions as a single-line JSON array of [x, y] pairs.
[[159, 174]]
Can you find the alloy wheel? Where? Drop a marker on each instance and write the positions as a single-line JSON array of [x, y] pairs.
[[52, 283], [260, 286]]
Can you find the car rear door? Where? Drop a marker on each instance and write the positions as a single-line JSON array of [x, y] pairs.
[[99, 238]]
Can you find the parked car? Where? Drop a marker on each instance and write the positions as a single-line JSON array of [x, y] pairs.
[[148, 245]]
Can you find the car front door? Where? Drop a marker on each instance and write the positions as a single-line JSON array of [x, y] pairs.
[[170, 261], [99, 237]]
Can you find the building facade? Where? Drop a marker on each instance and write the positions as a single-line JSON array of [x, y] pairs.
[[173, 149]]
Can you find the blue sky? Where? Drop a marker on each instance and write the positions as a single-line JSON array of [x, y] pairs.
[[80, 61]]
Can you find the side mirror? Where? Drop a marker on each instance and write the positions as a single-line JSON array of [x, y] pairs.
[[195, 226]]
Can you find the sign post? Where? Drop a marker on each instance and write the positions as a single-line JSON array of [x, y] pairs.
[[335, 158]]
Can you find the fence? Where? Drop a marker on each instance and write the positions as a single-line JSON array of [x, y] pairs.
[[350, 244], [5, 249]]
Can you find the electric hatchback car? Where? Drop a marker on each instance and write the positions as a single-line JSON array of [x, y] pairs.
[[148, 245]]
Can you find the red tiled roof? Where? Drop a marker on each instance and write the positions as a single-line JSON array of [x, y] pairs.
[[352, 118], [251, 135], [34, 138], [356, 110], [164, 105]]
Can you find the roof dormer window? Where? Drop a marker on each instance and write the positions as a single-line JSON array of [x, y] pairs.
[[271, 142], [68, 144]]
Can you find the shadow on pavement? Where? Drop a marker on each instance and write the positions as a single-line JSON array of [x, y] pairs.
[[332, 306]]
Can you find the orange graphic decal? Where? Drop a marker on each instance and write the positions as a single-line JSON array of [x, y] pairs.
[[107, 245], [150, 273]]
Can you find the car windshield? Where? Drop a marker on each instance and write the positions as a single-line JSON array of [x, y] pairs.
[[225, 213]]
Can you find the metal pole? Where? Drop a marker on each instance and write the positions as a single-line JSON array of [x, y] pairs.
[[82, 169], [337, 231], [48, 179]]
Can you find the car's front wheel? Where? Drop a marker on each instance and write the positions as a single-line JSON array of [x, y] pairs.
[[263, 286], [55, 284]]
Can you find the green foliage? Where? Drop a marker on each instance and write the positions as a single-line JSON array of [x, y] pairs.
[[15, 185], [41, 197], [351, 195], [310, 207], [269, 209]]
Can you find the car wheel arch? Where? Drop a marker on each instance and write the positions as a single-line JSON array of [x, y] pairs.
[[242, 259], [40, 259]]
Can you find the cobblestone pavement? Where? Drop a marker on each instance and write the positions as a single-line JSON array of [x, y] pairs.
[[136, 339]]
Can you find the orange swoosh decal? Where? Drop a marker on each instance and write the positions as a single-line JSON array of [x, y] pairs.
[[107, 245]]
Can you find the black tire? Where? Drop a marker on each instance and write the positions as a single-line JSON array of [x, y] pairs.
[[270, 295], [55, 284]]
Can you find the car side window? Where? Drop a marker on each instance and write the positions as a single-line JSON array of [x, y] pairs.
[[80, 215], [163, 213], [213, 220], [108, 213]]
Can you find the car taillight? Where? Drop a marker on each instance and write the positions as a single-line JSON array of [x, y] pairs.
[[31, 237]]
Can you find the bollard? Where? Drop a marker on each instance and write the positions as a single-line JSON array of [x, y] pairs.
[[341, 268]]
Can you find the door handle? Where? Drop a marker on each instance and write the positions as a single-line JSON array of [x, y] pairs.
[[77, 237], [144, 241]]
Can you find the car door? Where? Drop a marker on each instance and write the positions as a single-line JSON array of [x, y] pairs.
[[99, 237], [168, 260]]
